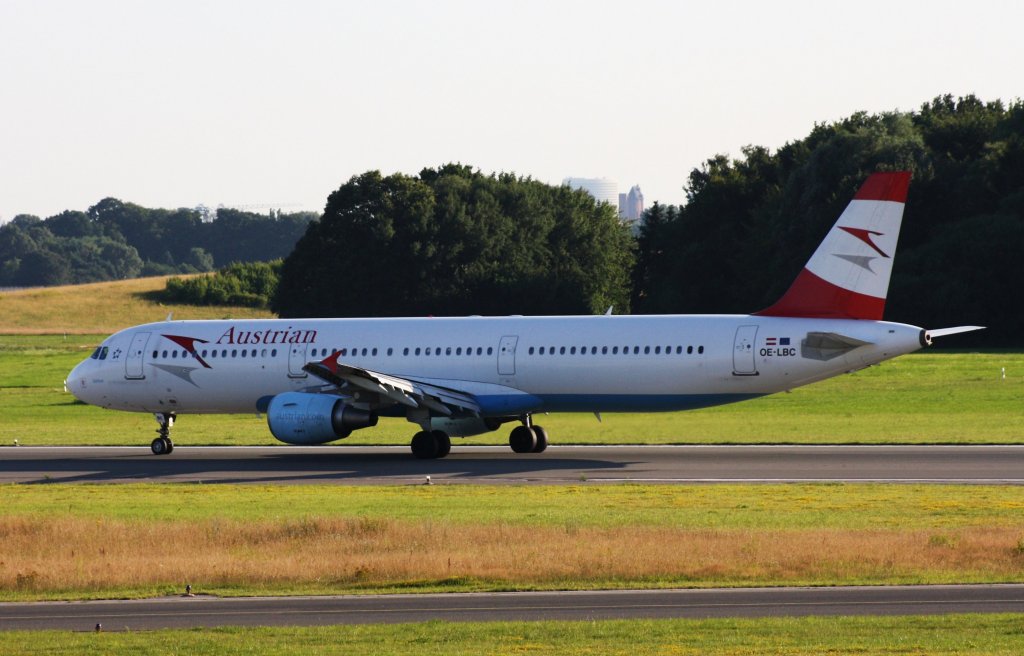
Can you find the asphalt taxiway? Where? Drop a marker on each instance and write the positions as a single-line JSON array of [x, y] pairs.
[[496, 465], [200, 611]]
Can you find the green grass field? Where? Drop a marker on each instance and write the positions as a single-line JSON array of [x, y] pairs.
[[892, 636], [781, 507], [930, 397]]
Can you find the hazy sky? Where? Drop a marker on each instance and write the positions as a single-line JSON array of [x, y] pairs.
[[172, 104]]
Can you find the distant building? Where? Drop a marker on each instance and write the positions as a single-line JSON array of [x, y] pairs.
[[604, 190], [631, 205]]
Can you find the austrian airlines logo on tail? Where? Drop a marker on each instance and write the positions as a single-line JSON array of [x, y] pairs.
[[849, 278]]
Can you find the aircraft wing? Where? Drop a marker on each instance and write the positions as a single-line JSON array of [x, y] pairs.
[[383, 390]]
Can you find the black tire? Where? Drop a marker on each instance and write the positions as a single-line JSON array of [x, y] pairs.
[[542, 440], [169, 444], [444, 443], [424, 446], [522, 439], [158, 446]]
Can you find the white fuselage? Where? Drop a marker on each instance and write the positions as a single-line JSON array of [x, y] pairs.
[[512, 365]]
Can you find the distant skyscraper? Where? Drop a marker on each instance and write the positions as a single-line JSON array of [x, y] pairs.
[[631, 205], [604, 190]]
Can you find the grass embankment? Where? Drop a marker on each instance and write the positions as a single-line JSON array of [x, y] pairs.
[[102, 307], [929, 397], [145, 540], [951, 634]]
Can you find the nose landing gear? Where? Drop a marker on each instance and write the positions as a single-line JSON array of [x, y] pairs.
[[163, 444]]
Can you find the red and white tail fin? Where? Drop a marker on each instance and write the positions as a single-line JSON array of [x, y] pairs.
[[848, 276]]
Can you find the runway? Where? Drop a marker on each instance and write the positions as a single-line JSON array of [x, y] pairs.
[[199, 611], [496, 465]]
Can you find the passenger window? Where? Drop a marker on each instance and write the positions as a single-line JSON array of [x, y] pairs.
[[531, 350], [647, 349], [615, 350], [542, 350], [593, 350], [636, 350], [657, 350], [374, 351], [562, 350], [313, 353], [604, 350], [234, 353], [390, 351], [263, 353], [572, 351], [490, 350], [480, 350], [155, 353], [174, 354], [700, 349], [458, 351], [679, 350], [364, 351], [448, 351], [273, 353], [405, 351], [244, 352], [427, 351]]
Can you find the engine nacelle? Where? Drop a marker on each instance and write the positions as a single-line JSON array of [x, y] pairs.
[[301, 418], [464, 426]]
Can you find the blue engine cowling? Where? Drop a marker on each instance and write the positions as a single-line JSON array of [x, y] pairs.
[[301, 418]]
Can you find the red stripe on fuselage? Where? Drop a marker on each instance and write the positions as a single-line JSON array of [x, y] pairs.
[[811, 297], [885, 186]]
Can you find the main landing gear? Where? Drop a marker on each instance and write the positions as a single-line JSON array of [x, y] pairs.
[[163, 444], [528, 438], [432, 444]]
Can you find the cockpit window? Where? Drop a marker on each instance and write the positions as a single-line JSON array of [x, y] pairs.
[[103, 352], [96, 353]]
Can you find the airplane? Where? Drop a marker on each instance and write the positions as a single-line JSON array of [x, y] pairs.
[[318, 380]]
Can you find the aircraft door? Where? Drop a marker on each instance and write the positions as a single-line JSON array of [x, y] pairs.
[[743, 362], [136, 354], [507, 355], [296, 358]]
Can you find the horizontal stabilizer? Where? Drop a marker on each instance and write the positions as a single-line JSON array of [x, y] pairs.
[[943, 332]]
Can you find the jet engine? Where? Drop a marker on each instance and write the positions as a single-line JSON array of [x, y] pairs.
[[464, 426], [301, 418]]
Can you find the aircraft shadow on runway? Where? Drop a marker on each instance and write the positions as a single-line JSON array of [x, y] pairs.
[[393, 467]]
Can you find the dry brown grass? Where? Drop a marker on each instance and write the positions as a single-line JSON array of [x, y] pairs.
[[72, 555], [102, 307]]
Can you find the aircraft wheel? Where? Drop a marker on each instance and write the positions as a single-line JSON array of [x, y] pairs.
[[424, 445], [542, 440], [522, 439], [170, 445], [444, 443], [161, 446]]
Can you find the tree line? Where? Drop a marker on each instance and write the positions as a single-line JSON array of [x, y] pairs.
[[750, 224], [114, 240], [455, 241]]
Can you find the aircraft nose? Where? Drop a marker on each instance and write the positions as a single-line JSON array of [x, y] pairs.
[[75, 383]]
